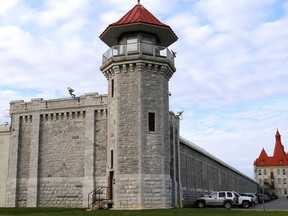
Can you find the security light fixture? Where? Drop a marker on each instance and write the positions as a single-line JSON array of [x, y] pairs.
[[179, 114], [70, 90]]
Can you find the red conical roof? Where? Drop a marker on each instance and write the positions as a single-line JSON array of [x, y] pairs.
[[279, 148], [279, 157], [263, 154], [263, 157], [138, 19], [139, 14]]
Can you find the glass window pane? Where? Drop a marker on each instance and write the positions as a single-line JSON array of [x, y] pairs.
[[132, 44]]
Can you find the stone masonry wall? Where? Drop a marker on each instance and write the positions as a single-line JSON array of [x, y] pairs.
[[100, 161], [201, 174], [155, 145], [23, 160], [62, 145], [61, 192], [128, 189], [128, 121], [153, 101], [127, 164], [153, 191], [56, 151], [174, 163], [61, 155], [4, 158], [140, 87]]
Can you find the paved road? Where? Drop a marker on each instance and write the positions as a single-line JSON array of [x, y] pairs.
[[280, 204]]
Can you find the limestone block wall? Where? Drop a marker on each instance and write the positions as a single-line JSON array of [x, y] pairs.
[[4, 156], [137, 88], [128, 190], [23, 160], [156, 157], [61, 158], [100, 161], [153, 191], [128, 121], [62, 192], [202, 173], [60, 149], [174, 161], [154, 101], [61, 146], [128, 141]]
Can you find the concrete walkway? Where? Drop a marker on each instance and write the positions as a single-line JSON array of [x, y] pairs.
[[280, 204]]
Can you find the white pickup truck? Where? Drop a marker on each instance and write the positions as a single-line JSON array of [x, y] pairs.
[[226, 199]]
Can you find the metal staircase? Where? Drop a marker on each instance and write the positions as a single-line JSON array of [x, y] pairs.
[[97, 199], [269, 185]]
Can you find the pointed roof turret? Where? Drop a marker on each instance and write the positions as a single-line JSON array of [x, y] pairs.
[[138, 19], [279, 148], [263, 157], [279, 157], [263, 154]]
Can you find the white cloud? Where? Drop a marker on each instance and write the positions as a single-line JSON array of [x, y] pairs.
[[228, 15], [5, 6], [56, 11], [12, 37]]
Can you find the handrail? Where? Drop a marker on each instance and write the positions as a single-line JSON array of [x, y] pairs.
[[138, 48], [95, 197]]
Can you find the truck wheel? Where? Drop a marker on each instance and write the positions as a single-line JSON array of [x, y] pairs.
[[245, 204], [227, 205], [201, 204]]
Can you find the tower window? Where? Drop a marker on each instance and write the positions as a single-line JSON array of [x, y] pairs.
[[112, 159], [132, 44], [112, 88], [146, 46], [151, 121]]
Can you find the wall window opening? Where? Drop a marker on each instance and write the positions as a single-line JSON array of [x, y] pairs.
[[111, 160], [151, 122], [112, 88], [279, 180]]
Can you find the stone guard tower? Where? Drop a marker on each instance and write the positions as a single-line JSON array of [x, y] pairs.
[[138, 66]]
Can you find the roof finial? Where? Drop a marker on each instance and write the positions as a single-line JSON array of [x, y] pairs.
[[138, 1]]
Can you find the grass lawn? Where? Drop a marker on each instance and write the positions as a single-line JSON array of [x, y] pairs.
[[159, 212]]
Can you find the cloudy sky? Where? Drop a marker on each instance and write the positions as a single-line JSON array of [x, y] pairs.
[[232, 64]]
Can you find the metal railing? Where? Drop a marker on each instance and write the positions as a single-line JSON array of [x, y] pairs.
[[138, 48], [98, 197]]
